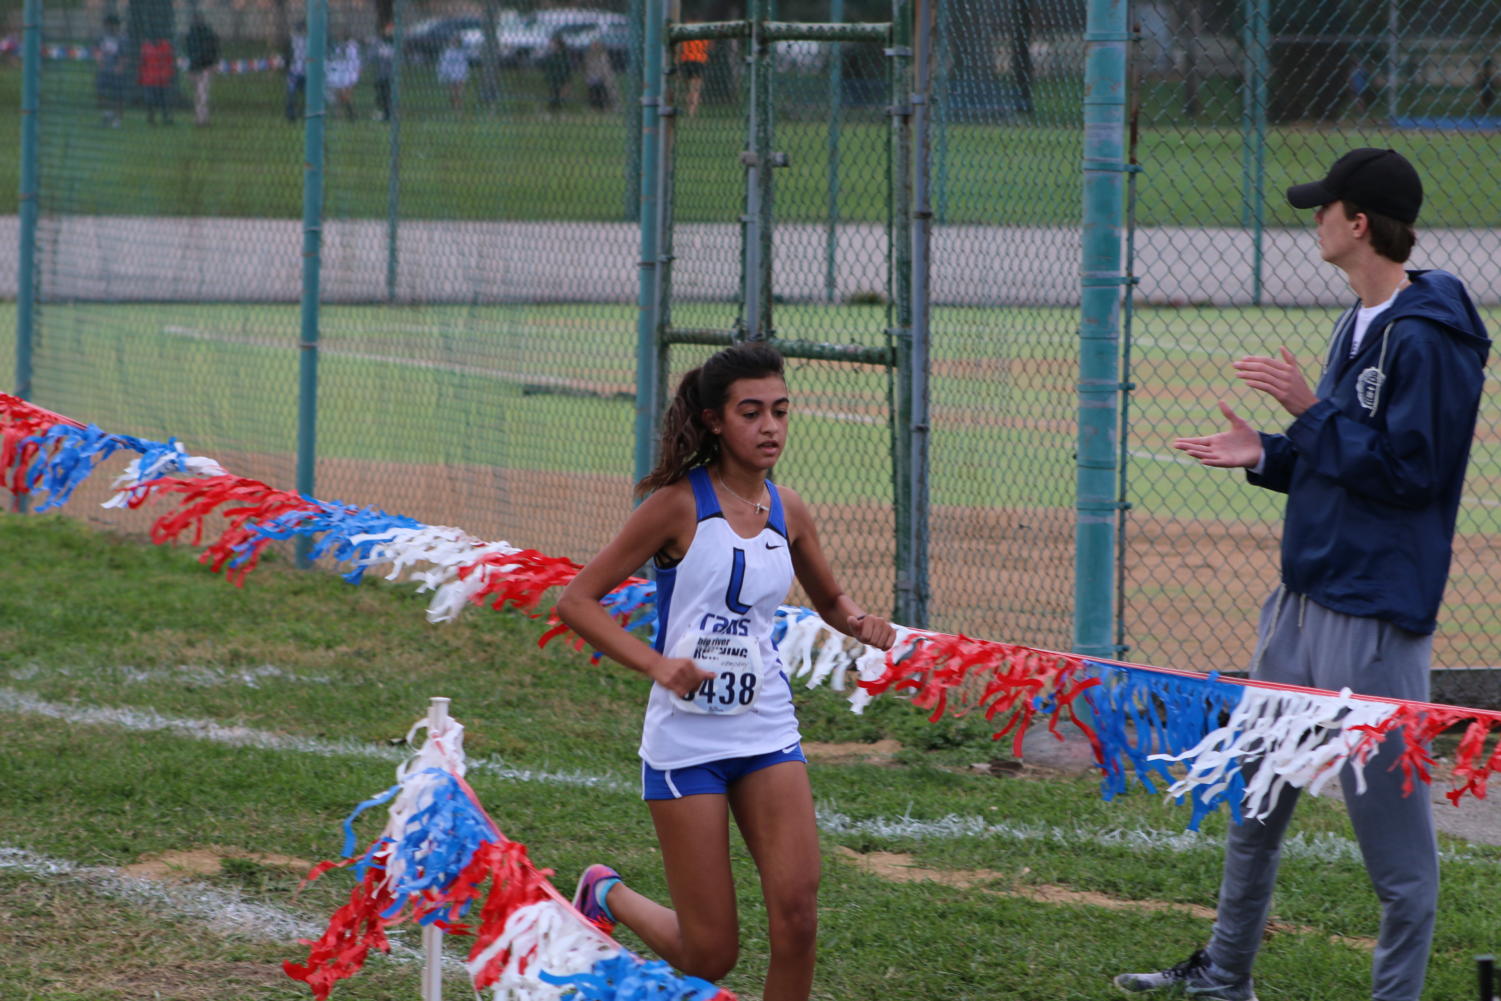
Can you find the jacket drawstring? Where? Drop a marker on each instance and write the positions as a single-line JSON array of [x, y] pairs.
[[1386, 333], [1271, 627], [1339, 333]]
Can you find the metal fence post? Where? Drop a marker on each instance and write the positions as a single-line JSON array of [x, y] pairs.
[[29, 193], [918, 431], [1254, 46], [393, 184], [836, 115], [1393, 68], [1105, 41], [943, 64], [636, 15], [755, 320], [312, 248], [899, 214], [648, 297]]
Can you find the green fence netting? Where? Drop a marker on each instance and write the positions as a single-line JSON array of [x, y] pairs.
[[477, 310], [1236, 102]]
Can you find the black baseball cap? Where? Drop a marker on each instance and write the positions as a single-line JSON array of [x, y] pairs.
[[1378, 180]]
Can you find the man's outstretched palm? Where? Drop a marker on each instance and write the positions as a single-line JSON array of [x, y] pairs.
[[1238, 447]]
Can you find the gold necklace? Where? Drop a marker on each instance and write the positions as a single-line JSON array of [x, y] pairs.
[[755, 504]]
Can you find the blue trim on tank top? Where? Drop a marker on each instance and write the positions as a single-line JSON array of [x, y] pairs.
[[777, 520], [667, 578], [705, 501]]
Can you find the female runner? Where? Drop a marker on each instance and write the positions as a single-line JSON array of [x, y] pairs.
[[721, 735]]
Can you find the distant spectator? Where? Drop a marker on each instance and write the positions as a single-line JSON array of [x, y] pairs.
[[342, 73], [203, 58], [693, 61], [1360, 87], [109, 73], [453, 70], [383, 61], [557, 67], [154, 74], [599, 76], [1485, 85], [10, 50], [296, 57]]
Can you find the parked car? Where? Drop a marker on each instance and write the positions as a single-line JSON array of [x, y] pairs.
[[524, 38], [423, 41], [800, 56], [507, 23]]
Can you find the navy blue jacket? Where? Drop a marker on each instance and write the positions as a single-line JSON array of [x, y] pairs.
[[1373, 472]]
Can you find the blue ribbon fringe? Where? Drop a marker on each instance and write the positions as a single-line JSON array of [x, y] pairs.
[[1138, 713], [338, 524], [626, 977]]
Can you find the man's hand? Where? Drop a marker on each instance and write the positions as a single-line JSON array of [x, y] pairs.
[[1238, 447], [1280, 378]]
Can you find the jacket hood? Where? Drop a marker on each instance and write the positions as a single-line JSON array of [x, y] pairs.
[[1441, 299]]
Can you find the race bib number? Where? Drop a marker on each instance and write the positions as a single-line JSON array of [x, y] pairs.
[[736, 663]]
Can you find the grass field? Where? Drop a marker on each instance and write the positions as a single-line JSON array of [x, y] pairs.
[[177, 747], [552, 388], [484, 164]]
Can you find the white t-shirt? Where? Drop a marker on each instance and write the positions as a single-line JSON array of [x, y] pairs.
[[1363, 317]]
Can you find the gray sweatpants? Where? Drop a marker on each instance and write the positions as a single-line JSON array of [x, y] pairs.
[[1302, 643]]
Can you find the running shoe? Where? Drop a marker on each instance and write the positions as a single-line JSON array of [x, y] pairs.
[[1195, 977], [587, 897]]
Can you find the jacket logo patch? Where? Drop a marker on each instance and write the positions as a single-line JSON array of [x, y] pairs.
[[1368, 388]]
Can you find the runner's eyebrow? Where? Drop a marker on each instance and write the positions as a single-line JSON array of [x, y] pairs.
[[752, 401]]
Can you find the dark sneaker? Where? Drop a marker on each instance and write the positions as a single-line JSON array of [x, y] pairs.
[[586, 897], [1195, 977]]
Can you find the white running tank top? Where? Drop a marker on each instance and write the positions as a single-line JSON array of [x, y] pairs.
[[724, 585]]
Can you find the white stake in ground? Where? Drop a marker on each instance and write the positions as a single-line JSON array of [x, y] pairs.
[[432, 935]]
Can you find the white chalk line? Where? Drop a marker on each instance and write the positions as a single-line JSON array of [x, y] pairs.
[[149, 721], [192, 674], [1323, 847], [501, 375], [1319, 847], [224, 912], [450, 368]]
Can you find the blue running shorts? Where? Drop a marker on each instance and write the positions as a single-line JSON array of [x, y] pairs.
[[713, 777]]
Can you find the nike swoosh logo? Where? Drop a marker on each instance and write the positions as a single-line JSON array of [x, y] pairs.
[[770, 546]]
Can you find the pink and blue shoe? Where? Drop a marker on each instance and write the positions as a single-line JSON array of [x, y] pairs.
[[593, 889]]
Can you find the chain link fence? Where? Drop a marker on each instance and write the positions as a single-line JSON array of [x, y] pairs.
[[1235, 102], [476, 317]]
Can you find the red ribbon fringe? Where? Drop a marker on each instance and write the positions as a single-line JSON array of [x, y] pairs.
[[20, 420], [353, 931], [518, 580], [359, 926], [254, 502], [958, 674]]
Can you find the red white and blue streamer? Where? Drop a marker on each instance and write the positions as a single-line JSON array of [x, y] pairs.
[[1162, 727], [440, 860]]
